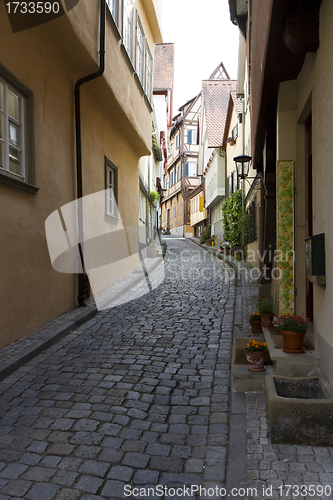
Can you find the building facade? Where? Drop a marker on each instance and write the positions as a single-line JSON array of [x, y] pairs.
[[215, 101], [182, 169], [289, 77], [39, 68]]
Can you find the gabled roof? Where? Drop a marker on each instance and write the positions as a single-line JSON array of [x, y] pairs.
[[184, 111], [216, 95], [163, 66], [234, 103], [187, 103], [220, 73]]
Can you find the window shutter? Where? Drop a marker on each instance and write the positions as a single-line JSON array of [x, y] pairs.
[[186, 169]]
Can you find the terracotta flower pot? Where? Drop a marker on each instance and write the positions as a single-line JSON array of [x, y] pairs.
[[293, 342], [255, 325], [256, 360], [266, 319]]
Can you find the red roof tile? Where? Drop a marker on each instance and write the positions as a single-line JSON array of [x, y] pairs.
[[216, 95], [163, 66]]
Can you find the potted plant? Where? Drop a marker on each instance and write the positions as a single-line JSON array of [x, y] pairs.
[[293, 330], [230, 141], [205, 235], [225, 248], [255, 354], [265, 307], [255, 322]]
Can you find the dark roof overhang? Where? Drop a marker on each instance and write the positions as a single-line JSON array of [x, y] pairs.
[[238, 14]]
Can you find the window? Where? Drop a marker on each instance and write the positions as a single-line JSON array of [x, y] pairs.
[[172, 178], [177, 141], [139, 56], [114, 9], [16, 134], [179, 172], [128, 27], [149, 73], [191, 137], [111, 191], [11, 131], [190, 169], [235, 132]]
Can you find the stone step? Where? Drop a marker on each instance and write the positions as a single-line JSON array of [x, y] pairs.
[[292, 365], [244, 379]]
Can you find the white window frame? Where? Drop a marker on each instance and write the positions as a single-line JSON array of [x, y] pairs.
[[148, 73], [111, 191], [25, 180], [177, 140], [5, 140], [193, 136], [128, 15], [114, 9], [179, 172], [140, 50], [191, 167]]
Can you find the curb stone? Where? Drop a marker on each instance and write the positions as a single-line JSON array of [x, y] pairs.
[[39, 346]]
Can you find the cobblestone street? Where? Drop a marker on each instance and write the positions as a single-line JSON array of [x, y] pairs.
[[137, 396]]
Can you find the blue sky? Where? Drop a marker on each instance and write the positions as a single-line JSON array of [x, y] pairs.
[[203, 36]]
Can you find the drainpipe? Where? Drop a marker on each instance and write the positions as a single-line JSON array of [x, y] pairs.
[[79, 192]]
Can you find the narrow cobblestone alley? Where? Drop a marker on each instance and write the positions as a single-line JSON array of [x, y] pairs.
[[137, 396]]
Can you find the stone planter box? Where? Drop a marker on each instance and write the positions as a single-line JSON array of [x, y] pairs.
[[300, 410]]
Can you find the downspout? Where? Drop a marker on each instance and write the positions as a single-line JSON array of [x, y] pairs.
[[79, 190]]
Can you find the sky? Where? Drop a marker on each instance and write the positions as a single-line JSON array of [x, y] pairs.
[[203, 36]]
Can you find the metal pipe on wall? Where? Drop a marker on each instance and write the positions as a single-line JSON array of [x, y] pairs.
[[79, 189]]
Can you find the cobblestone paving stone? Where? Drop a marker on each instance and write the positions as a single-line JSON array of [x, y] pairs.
[[137, 396], [277, 466]]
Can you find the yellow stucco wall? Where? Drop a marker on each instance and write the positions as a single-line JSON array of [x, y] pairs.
[[116, 123]]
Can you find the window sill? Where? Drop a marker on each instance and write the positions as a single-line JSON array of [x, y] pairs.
[[111, 218], [15, 184], [113, 25], [127, 58]]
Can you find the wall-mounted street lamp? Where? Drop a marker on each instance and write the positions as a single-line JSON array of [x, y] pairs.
[[242, 165]]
